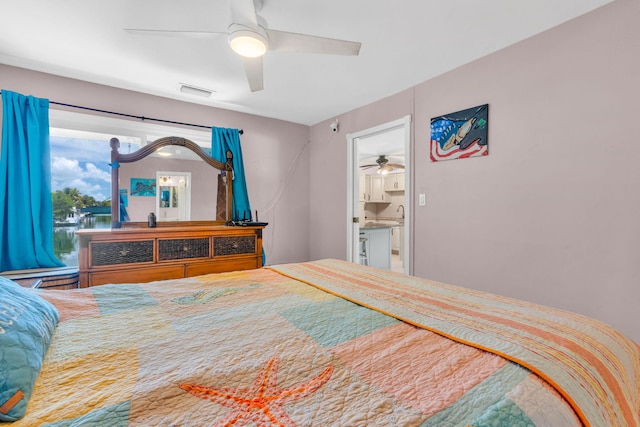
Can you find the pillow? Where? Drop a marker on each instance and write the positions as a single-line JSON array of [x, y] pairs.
[[27, 323]]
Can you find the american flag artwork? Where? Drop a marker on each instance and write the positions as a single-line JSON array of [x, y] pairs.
[[460, 135]]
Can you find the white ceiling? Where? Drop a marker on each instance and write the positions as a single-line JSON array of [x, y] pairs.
[[403, 43], [388, 143]]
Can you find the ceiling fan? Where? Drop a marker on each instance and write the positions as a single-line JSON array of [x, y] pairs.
[[250, 37], [384, 167]]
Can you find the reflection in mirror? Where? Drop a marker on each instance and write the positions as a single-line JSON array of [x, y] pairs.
[[146, 181], [174, 197], [201, 178], [168, 197]]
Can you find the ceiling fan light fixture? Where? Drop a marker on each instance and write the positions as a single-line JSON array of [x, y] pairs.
[[384, 169], [247, 42]]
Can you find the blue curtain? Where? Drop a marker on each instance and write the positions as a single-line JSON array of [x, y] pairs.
[[223, 140], [124, 216], [26, 212]]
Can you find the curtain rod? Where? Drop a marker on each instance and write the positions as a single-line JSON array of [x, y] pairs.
[[132, 116]]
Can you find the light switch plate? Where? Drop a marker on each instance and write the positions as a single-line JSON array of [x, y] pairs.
[[422, 200]]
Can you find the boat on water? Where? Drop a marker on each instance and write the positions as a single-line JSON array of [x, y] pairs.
[[72, 220]]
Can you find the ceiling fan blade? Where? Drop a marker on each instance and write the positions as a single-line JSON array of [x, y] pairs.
[[244, 12], [394, 165], [294, 42], [253, 68], [175, 33], [367, 166]]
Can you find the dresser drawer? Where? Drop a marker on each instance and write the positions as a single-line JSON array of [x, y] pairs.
[[171, 249], [115, 253], [136, 275], [234, 245], [244, 263]]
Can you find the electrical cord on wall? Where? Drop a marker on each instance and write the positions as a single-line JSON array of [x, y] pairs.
[[270, 206]]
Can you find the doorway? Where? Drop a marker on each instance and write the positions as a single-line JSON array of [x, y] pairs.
[[391, 206], [173, 196]]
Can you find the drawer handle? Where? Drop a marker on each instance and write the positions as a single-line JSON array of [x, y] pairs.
[[124, 252], [235, 245], [185, 249]]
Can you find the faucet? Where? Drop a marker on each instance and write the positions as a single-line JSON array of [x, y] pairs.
[[398, 210]]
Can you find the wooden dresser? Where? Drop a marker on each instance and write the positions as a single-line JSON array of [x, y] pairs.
[[135, 255]]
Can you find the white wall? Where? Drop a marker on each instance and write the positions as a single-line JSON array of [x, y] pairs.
[[275, 152], [551, 214]]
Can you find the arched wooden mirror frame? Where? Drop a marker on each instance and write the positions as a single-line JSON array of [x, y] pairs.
[[118, 158]]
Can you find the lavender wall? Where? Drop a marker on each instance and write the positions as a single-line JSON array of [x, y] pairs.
[[278, 187], [551, 215], [328, 171]]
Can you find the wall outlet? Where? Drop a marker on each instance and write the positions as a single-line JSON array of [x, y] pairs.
[[422, 200]]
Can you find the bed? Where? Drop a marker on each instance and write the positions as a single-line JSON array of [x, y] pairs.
[[323, 343]]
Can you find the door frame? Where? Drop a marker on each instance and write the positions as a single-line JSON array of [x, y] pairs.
[[353, 227], [184, 195]]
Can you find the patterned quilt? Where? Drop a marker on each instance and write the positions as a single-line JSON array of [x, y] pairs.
[[326, 343]]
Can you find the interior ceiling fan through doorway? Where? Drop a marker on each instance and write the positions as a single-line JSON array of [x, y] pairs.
[[383, 164], [249, 35]]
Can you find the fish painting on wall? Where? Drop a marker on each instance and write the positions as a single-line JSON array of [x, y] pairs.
[[143, 187], [460, 135]]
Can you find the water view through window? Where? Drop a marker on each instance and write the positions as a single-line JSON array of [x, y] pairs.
[[80, 186], [65, 240]]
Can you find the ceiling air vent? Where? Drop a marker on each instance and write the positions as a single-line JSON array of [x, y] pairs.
[[197, 91]]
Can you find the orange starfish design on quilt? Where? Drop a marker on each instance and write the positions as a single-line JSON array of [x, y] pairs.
[[262, 402]]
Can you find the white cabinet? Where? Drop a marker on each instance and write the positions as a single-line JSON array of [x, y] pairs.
[[390, 183], [377, 189], [395, 239], [372, 189], [400, 181], [365, 187], [394, 182], [401, 248], [378, 246]]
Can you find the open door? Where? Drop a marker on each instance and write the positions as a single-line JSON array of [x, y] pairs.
[[173, 196], [400, 130]]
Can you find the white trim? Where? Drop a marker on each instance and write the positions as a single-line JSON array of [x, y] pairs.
[[352, 201], [408, 200], [352, 230], [184, 208]]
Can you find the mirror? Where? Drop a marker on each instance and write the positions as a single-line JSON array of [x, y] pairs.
[[173, 178]]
